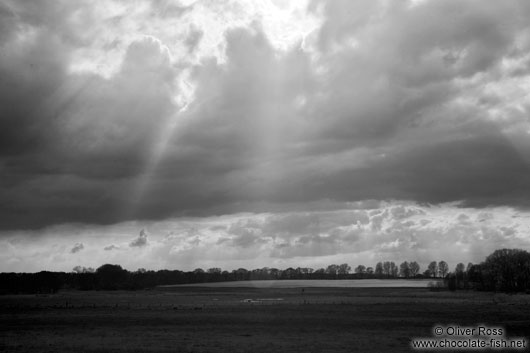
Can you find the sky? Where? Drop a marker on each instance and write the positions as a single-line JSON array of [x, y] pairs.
[[195, 134]]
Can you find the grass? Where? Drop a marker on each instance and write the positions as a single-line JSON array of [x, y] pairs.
[[215, 320]]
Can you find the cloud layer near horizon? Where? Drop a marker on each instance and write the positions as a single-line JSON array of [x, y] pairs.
[[358, 233], [114, 112]]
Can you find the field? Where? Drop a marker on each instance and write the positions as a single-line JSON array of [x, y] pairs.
[[322, 283], [190, 319]]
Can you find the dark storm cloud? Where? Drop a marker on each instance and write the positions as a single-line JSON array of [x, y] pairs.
[[72, 143], [481, 170], [385, 101]]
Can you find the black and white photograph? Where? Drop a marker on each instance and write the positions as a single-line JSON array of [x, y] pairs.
[[264, 176]]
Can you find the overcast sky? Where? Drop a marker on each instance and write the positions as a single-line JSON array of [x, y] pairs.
[[167, 134]]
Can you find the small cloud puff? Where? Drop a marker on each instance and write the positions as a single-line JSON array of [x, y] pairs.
[[140, 241], [77, 247]]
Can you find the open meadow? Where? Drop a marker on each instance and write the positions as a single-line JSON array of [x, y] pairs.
[[212, 319]]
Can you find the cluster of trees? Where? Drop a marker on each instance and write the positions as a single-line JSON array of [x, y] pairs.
[[389, 269], [505, 270]]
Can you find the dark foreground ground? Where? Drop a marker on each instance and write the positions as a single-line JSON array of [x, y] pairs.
[[274, 320]]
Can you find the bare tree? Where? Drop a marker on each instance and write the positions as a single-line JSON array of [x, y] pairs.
[[460, 268], [414, 268], [332, 270], [443, 268], [379, 269], [344, 269], [460, 275], [404, 269], [361, 269], [433, 269], [386, 268], [393, 269]]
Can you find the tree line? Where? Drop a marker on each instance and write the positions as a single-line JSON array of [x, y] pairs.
[[504, 270]]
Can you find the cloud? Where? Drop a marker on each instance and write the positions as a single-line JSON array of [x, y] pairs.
[[140, 241], [77, 247], [82, 269], [101, 130], [418, 232], [246, 135], [194, 37]]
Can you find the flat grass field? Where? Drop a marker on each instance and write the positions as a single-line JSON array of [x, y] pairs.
[[192, 319]]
